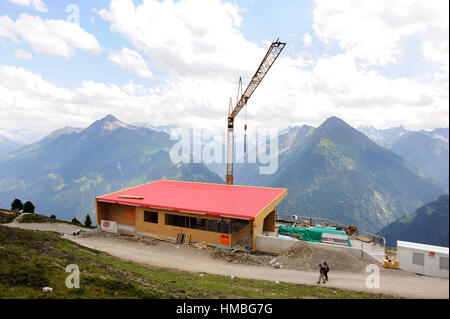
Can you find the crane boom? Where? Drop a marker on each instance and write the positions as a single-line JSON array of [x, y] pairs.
[[270, 57]]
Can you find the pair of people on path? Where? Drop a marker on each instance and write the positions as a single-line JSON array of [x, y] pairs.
[[324, 269]]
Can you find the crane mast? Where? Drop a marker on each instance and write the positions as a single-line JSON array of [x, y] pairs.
[[270, 57]]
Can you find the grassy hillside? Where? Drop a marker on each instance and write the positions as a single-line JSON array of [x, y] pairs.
[[7, 217], [30, 260], [428, 225]]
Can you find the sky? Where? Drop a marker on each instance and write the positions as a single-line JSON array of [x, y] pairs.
[[69, 63]]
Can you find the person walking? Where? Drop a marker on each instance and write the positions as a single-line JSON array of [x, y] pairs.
[[322, 274], [326, 270]]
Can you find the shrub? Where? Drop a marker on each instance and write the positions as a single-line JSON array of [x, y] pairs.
[[28, 207], [75, 221], [53, 216], [16, 205]]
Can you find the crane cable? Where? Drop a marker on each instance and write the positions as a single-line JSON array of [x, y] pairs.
[[239, 94], [245, 127]]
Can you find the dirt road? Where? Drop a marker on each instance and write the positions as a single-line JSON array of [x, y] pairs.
[[55, 227], [185, 258], [190, 259]]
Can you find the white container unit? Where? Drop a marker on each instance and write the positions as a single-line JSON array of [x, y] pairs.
[[423, 259]]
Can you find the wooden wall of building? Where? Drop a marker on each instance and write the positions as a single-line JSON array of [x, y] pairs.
[[122, 214]]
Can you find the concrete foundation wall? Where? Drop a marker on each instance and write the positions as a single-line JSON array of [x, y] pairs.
[[273, 244]]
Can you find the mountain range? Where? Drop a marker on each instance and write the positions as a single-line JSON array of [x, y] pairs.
[[17, 138], [428, 151], [331, 171], [8, 145], [428, 225], [388, 137], [64, 172], [337, 172]]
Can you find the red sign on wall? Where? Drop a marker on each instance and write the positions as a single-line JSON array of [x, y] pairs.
[[129, 212], [224, 239]]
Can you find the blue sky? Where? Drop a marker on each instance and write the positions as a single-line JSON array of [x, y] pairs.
[[291, 21], [164, 62]]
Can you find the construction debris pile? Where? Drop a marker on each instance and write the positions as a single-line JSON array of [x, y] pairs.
[[302, 256], [241, 257]]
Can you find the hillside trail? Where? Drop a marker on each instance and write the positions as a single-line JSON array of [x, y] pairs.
[[18, 218], [185, 258], [54, 227]]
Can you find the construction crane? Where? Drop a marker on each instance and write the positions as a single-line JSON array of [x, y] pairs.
[[270, 57]]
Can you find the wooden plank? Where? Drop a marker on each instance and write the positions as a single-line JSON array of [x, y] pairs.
[[187, 239], [130, 196], [180, 238], [158, 238]]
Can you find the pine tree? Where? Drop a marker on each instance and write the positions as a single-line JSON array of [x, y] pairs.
[[88, 221], [28, 207], [16, 205]]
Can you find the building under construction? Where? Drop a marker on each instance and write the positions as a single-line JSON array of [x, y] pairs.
[[220, 215]]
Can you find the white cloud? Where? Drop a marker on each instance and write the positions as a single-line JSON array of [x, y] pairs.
[[49, 36], [7, 28], [181, 39], [22, 54], [131, 61], [26, 99], [307, 39], [37, 4], [376, 30], [205, 55]]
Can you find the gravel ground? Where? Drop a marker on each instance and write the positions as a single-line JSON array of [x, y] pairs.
[[301, 256], [255, 266]]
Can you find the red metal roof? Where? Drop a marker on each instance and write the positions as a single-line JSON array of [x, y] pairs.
[[211, 199]]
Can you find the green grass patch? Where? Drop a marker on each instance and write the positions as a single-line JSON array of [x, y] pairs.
[[6, 217], [30, 260], [37, 218]]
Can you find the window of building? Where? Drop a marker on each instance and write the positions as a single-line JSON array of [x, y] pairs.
[[220, 226], [151, 217], [443, 263], [176, 220], [197, 223], [418, 259]]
